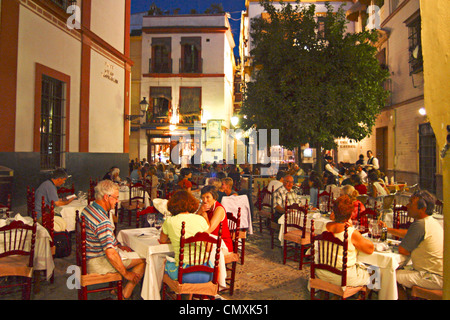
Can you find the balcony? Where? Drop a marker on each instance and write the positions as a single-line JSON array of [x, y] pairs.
[[189, 67], [164, 67]]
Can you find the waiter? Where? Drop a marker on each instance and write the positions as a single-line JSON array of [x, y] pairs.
[[372, 162]]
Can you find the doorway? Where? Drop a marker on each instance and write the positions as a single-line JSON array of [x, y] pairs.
[[427, 158], [382, 147]]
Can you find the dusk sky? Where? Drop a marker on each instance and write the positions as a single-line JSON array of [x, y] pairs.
[[234, 7]]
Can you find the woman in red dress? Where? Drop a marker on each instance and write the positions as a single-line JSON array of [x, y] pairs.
[[214, 213]]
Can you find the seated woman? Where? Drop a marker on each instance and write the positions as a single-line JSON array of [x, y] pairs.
[[182, 205], [135, 175], [376, 187], [150, 176], [315, 185], [357, 275], [357, 183], [183, 180], [353, 194], [214, 213]]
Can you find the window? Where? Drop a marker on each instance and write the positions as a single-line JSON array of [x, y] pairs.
[[190, 103], [63, 4], [160, 102], [427, 158], [161, 61], [414, 25], [52, 131], [191, 61]]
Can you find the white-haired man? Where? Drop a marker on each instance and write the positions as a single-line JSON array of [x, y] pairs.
[[101, 244]]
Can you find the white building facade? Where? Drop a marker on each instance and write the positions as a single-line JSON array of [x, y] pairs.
[[65, 80], [187, 76]]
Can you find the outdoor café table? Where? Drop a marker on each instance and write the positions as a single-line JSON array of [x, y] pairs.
[[319, 222], [43, 259], [388, 262], [68, 212], [144, 241], [124, 195]]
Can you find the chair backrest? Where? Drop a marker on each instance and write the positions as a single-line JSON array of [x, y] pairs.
[[80, 238], [18, 238], [439, 206], [264, 199], [295, 216], [62, 191], [234, 224], [30, 201], [324, 198], [331, 253], [137, 191], [401, 220], [48, 217], [364, 217], [198, 250], [7, 205]]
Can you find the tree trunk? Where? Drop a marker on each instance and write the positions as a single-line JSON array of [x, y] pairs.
[[319, 157]]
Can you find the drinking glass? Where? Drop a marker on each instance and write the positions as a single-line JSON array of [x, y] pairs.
[[356, 225], [158, 223], [370, 227], [151, 219]]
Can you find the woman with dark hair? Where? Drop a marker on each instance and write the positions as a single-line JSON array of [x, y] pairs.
[[341, 216], [214, 213], [183, 180], [182, 205], [315, 185]]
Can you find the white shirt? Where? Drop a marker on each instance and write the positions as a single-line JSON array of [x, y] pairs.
[[372, 163], [331, 169]]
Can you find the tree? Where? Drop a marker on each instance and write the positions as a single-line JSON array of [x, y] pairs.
[[313, 81], [215, 8]]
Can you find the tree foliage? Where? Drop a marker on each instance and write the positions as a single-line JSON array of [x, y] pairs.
[[313, 85]]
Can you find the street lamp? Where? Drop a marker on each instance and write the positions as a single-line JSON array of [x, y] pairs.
[[234, 121], [143, 106]]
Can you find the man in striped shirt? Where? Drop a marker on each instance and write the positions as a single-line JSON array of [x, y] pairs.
[[101, 244], [280, 195]]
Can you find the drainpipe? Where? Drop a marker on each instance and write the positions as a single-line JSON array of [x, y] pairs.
[[395, 143]]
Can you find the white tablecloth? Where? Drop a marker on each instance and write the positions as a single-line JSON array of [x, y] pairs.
[[43, 259], [145, 242], [319, 222], [233, 203], [388, 262], [68, 212]]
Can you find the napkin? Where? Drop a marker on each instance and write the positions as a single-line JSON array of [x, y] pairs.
[[380, 247], [26, 220]]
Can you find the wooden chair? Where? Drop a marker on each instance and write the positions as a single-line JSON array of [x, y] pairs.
[[295, 232], [7, 205], [324, 198], [327, 247], [401, 220], [136, 197], [439, 206], [114, 280], [364, 217], [62, 191], [199, 252], [17, 253], [232, 258], [264, 207], [48, 222], [419, 293], [143, 212], [30, 201]]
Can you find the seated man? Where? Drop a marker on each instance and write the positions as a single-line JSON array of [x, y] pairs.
[[49, 190], [101, 244], [279, 197], [423, 241], [227, 188]]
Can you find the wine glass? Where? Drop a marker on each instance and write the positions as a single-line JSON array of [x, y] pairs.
[[370, 227], [151, 219], [158, 223]]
